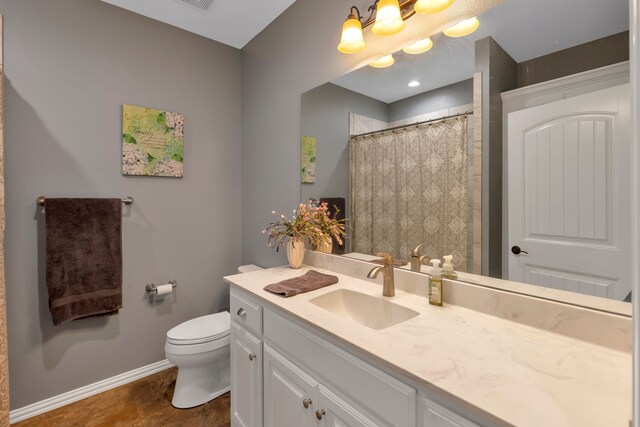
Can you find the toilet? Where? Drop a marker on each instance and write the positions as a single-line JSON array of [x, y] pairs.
[[200, 348]]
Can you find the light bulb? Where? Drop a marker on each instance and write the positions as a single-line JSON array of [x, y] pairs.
[[388, 18], [421, 46], [384, 62], [463, 28], [424, 7], [351, 40], [413, 83]]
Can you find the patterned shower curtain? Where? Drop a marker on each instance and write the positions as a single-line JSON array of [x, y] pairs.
[[409, 187]]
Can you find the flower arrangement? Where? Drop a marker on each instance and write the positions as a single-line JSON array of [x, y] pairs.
[[313, 223], [329, 226]]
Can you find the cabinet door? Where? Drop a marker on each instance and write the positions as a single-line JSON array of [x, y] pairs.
[[434, 415], [333, 411], [246, 378], [289, 394]]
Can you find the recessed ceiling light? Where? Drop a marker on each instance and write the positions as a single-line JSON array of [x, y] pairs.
[[414, 83]]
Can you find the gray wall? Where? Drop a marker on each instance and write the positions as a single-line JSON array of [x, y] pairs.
[[70, 64], [588, 56], [325, 116], [499, 74], [453, 95]]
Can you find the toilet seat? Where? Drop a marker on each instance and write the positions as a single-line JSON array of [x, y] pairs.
[[200, 330]]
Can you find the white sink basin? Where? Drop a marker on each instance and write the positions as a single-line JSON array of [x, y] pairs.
[[372, 312]]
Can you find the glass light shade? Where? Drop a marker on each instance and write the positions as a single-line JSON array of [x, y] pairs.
[[421, 46], [424, 7], [463, 28], [388, 18], [384, 62], [351, 40]]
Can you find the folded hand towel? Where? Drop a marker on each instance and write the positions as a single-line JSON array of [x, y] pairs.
[[84, 257], [310, 281]]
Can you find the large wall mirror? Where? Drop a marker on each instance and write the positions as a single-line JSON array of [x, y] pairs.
[[507, 148]]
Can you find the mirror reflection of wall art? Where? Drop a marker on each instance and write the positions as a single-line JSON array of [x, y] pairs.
[[152, 142], [308, 160]]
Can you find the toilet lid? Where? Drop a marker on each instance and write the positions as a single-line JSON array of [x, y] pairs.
[[201, 329]]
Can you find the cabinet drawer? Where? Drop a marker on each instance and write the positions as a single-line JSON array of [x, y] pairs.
[[374, 390], [246, 312]]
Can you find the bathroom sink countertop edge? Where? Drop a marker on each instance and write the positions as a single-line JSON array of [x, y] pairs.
[[515, 373]]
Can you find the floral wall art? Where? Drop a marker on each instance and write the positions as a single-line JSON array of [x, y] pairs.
[[308, 160], [152, 142]]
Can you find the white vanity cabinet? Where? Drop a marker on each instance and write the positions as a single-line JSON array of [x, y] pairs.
[[290, 395], [290, 376], [246, 363], [434, 415]]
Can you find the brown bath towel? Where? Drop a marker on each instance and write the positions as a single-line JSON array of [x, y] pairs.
[[84, 257], [310, 281]]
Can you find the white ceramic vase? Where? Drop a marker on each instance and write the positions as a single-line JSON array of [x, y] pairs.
[[295, 252]]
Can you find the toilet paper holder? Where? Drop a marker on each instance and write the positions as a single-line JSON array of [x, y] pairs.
[[153, 288]]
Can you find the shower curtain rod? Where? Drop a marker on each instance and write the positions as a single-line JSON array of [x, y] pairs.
[[466, 113]]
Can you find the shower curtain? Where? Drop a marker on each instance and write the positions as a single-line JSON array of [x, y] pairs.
[[409, 187], [4, 357]]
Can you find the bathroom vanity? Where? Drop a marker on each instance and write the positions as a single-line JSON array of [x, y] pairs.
[[346, 356]]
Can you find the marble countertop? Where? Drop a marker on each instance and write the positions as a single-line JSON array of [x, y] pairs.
[[521, 375]]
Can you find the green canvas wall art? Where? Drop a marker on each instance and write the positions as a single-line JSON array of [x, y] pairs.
[[308, 160], [152, 142]]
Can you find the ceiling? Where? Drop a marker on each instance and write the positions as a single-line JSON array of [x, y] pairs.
[[525, 29], [232, 22]]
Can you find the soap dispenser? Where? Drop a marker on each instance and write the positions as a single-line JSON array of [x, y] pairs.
[[435, 283], [447, 268]]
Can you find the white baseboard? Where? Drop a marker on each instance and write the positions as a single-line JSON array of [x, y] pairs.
[[86, 391]]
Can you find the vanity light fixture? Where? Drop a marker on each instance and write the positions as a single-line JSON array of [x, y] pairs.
[[413, 83], [384, 62], [463, 28], [421, 46], [352, 40], [386, 17], [425, 7]]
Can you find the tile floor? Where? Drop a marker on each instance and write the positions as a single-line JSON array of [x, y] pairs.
[[142, 403]]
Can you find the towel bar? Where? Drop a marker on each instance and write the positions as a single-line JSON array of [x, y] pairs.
[[126, 200], [152, 288]]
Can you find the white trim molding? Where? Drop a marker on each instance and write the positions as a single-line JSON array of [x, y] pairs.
[[63, 399]]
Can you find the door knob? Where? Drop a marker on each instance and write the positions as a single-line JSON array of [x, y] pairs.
[[252, 356], [306, 403], [517, 251], [242, 312], [320, 413]]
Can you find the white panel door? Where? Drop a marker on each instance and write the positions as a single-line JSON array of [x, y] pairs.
[[569, 209], [290, 395], [246, 378]]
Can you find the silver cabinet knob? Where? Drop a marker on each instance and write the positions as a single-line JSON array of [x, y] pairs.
[[242, 313], [306, 403], [252, 356], [320, 413]]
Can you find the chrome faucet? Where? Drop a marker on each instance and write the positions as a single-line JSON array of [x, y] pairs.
[[416, 259], [388, 287]]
